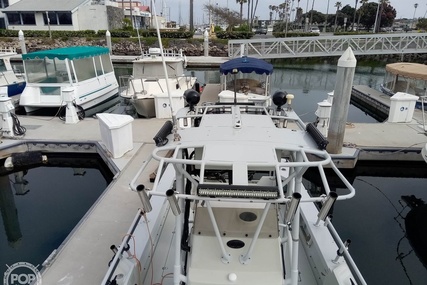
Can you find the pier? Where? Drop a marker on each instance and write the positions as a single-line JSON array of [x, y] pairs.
[[325, 46]]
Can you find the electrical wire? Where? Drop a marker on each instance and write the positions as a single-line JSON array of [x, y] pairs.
[[151, 247], [18, 130]]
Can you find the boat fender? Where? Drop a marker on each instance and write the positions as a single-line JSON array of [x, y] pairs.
[[24, 159], [279, 99], [318, 137], [161, 137], [192, 97]]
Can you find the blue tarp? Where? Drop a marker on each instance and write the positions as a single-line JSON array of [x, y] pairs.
[[246, 65]]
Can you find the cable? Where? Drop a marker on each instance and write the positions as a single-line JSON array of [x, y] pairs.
[[62, 112], [17, 128]]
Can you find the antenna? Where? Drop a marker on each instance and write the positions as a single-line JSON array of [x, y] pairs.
[[164, 65]]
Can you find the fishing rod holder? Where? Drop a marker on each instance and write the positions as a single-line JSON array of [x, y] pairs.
[[327, 205], [173, 201], [340, 251], [292, 208], [145, 200]]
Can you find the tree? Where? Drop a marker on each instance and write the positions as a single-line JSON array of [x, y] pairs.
[[387, 14], [338, 5], [354, 15], [241, 2], [422, 24], [224, 15], [360, 12]]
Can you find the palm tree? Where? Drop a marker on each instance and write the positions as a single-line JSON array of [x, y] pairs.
[[338, 5], [354, 15], [241, 2], [363, 2], [311, 13], [383, 3], [413, 18]]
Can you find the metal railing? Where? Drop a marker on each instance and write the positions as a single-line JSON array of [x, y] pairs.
[[403, 43]]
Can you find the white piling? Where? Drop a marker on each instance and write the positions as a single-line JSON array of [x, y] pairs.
[[6, 123], [108, 39], [21, 39], [342, 94], [69, 97], [206, 43]]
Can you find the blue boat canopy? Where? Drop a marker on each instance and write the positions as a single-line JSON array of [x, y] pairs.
[[67, 52], [246, 65]]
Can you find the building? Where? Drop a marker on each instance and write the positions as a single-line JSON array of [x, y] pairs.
[[70, 15], [140, 15]]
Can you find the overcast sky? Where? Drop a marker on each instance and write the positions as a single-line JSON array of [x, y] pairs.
[[176, 8]]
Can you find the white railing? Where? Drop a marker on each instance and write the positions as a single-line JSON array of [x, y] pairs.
[[329, 45]]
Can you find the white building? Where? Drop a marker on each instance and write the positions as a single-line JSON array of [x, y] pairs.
[[71, 15]]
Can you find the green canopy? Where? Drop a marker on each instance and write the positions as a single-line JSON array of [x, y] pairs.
[[67, 52]]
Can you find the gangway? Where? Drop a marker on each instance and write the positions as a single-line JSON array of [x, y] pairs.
[[320, 46]]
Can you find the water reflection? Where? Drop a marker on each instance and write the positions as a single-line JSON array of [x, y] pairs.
[[310, 85], [41, 205]]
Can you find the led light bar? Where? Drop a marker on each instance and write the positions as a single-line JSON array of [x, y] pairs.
[[237, 191]]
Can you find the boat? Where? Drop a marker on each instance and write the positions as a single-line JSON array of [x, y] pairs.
[[12, 82], [146, 88], [251, 84], [83, 74], [225, 201], [407, 77]]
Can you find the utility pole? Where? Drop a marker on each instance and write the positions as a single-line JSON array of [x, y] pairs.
[[191, 16]]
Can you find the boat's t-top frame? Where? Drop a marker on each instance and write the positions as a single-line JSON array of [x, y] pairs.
[[206, 180]]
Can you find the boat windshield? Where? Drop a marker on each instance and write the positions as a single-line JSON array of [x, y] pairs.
[[155, 69], [46, 71], [2, 65], [52, 71]]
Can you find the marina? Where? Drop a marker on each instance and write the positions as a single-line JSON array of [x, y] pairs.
[[372, 141]]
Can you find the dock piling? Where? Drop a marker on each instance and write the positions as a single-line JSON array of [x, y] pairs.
[[342, 94]]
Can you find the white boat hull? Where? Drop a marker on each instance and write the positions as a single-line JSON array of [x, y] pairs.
[[146, 95], [91, 95]]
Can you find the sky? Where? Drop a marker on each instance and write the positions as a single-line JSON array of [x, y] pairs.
[[179, 9]]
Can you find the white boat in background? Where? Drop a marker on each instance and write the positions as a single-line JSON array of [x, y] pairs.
[[228, 204], [85, 72], [406, 77], [146, 88], [250, 84], [11, 82]]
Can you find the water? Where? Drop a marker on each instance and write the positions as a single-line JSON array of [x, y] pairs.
[[34, 224], [374, 220], [310, 85]]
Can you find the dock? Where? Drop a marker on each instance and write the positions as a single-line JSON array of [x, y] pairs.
[[88, 245]]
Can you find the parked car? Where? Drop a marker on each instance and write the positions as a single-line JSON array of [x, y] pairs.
[[261, 31], [315, 30]]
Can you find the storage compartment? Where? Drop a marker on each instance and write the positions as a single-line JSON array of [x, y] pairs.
[[402, 107], [116, 133], [162, 104]]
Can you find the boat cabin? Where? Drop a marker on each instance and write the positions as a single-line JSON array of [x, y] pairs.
[[405, 77], [245, 79], [151, 65], [50, 74]]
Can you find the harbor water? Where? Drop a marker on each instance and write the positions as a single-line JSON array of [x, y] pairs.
[[41, 206], [375, 220]]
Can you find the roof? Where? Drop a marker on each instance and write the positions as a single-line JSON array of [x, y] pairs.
[[45, 5], [246, 65], [67, 52], [408, 69]]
